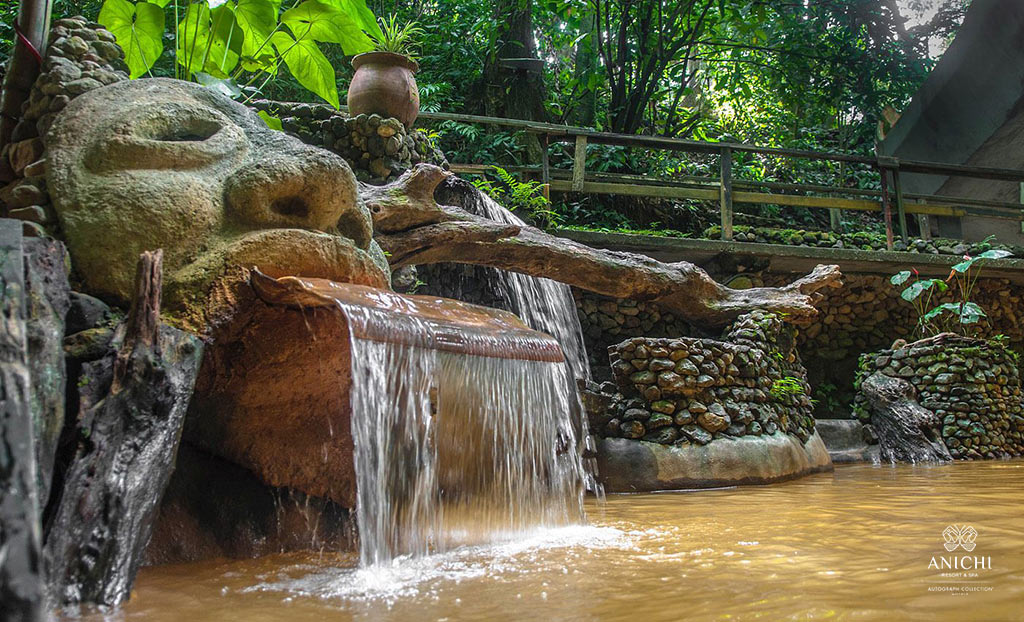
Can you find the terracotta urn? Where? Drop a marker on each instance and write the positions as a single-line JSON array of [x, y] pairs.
[[385, 83]]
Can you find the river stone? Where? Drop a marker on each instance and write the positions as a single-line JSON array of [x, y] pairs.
[[658, 365], [632, 429], [663, 436], [713, 423], [664, 406], [696, 434], [658, 420]]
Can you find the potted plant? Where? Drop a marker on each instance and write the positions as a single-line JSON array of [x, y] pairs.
[[385, 79]]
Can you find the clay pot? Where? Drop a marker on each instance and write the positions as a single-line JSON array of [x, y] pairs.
[[385, 83]]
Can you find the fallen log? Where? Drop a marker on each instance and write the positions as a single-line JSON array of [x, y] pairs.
[[131, 410], [907, 432], [414, 228]]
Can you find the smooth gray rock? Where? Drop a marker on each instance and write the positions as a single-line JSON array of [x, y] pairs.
[[634, 466]]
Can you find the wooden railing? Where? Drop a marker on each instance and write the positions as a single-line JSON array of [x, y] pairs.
[[729, 191]]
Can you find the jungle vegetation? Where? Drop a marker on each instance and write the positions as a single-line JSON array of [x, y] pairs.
[[812, 74]]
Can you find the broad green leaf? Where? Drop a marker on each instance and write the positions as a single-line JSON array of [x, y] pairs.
[[995, 253], [934, 313], [192, 34], [266, 61], [224, 86], [225, 46], [272, 122], [971, 313], [964, 265], [322, 22], [161, 3], [917, 288], [139, 30], [257, 19], [308, 65], [900, 277], [209, 41], [363, 16]]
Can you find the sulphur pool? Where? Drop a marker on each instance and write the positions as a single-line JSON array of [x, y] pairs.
[[863, 543]]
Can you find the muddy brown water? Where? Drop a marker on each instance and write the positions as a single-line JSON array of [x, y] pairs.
[[857, 544]]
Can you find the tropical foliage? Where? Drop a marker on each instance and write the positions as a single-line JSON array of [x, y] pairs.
[[962, 315], [819, 74], [240, 45]]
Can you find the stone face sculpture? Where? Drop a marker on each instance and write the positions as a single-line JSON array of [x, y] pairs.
[[161, 163]]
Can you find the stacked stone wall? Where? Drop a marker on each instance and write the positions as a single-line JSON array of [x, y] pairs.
[[377, 148], [865, 315], [81, 56], [687, 391], [972, 385]]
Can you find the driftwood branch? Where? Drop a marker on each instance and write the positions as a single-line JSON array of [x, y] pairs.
[[907, 432], [415, 229], [132, 407]]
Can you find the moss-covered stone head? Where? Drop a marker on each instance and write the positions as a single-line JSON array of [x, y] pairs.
[[161, 163]]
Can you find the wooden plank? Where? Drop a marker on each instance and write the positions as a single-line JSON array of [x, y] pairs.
[[802, 200], [545, 167], [663, 192], [835, 219], [579, 163], [924, 226], [725, 165], [901, 209], [886, 207]]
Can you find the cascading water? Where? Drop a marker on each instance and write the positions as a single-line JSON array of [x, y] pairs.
[[544, 305], [463, 434]]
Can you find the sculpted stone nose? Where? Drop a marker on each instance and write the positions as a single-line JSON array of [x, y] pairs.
[[298, 188]]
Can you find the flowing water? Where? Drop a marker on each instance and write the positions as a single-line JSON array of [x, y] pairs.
[[462, 435], [853, 545], [545, 305]]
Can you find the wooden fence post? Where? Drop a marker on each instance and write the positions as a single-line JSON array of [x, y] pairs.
[[886, 207], [726, 192], [924, 224], [901, 210], [545, 168], [579, 163]]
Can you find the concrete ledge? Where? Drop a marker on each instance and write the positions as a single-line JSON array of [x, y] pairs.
[[635, 466], [784, 258], [845, 441]]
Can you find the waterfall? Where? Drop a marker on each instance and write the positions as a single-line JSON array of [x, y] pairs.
[[461, 436], [545, 305]]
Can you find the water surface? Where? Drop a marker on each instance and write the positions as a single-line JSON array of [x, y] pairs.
[[853, 545]]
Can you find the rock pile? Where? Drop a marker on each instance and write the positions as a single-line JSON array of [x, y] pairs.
[[972, 385], [607, 321], [80, 57], [376, 148], [858, 240], [685, 391]]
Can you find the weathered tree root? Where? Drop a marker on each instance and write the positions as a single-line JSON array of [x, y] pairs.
[[411, 226], [129, 425], [907, 432]]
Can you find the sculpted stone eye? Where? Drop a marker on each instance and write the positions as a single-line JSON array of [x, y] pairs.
[[192, 130]]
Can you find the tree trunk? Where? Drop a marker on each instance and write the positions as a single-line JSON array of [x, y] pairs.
[[414, 229], [21, 578], [585, 67], [34, 22], [514, 89], [130, 418], [907, 432]]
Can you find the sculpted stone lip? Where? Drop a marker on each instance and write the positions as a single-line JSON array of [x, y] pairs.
[[302, 252], [453, 326]]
